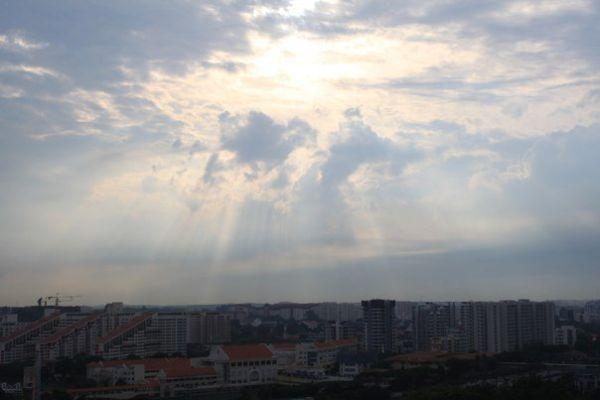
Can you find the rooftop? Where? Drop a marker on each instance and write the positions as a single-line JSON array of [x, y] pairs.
[[247, 352], [150, 384], [135, 321], [176, 367], [30, 327], [284, 346], [71, 328]]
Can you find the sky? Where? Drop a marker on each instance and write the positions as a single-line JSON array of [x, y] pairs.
[[196, 152]]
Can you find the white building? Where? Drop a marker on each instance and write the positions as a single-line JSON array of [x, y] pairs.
[[352, 365], [311, 355], [244, 365], [8, 324], [565, 335], [285, 354], [172, 371], [173, 331], [21, 343], [136, 337], [291, 312]]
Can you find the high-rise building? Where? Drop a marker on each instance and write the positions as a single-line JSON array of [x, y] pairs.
[[565, 335], [21, 344], [493, 327], [404, 310], [112, 334], [378, 320], [209, 328], [336, 330], [524, 322], [432, 321], [489, 327], [480, 322], [172, 331]]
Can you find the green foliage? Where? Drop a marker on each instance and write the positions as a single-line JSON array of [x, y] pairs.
[[12, 372], [524, 389], [588, 341], [57, 395], [74, 366], [535, 354]]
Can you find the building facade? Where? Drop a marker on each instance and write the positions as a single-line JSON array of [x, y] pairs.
[[565, 335], [378, 322], [112, 334], [487, 327], [244, 365]]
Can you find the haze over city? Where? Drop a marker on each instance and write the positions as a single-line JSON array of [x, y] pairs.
[[263, 151]]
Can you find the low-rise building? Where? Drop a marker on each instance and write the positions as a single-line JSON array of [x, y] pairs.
[[285, 354], [123, 392], [431, 359], [244, 365], [352, 365], [174, 374], [323, 354]]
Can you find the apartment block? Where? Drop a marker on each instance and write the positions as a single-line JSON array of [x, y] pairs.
[[432, 321], [378, 320], [21, 344]]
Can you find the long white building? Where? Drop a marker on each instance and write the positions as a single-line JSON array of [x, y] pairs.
[[112, 334], [244, 365]]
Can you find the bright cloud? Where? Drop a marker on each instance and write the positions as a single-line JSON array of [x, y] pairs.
[[216, 144]]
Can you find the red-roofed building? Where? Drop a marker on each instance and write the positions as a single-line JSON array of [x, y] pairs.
[[319, 355], [176, 373], [141, 390], [323, 354], [244, 365], [285, 353]]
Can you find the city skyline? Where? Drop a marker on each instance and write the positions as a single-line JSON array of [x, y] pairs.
[[47, 302], [229, 152]]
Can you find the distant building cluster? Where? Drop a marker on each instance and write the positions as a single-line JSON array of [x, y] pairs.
[[328, 311], [591, 312], [226, 367], [112, 334], [165, 352], [487, 327]]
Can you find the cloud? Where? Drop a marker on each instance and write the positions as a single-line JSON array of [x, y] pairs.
[[14, 41], [361, 145], [261, 139], [95, 44], [258, 139], [212, 166], [568, 26]]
